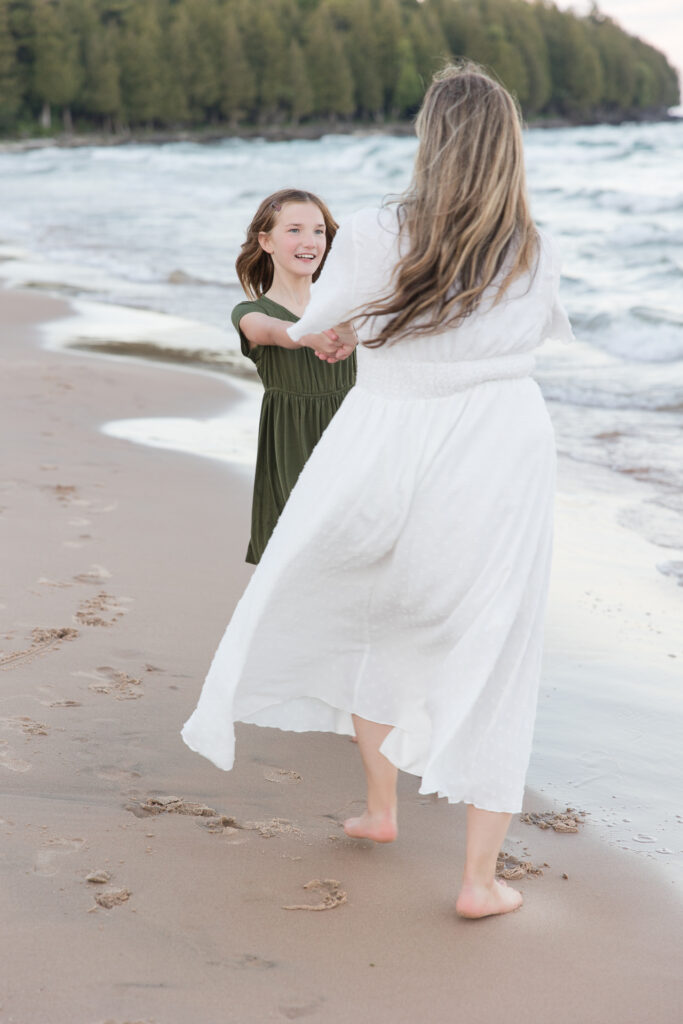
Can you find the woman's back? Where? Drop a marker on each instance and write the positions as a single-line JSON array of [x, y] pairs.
[[361, 267]]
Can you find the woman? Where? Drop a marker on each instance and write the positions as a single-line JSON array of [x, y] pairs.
[[402, 594]]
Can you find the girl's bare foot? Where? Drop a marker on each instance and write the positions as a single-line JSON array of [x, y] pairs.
[[484, 901], [381, 827]]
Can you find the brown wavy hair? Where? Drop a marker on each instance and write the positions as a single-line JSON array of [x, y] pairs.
[[254, 265], [466, 212]]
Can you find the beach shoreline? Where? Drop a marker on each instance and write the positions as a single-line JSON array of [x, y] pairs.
[[125, 564], [307, 131]]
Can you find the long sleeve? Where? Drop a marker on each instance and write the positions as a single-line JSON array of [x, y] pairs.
[[557, 326], [333, 294]]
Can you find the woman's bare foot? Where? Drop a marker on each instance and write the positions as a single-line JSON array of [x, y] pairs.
[[484, 901], [381, 828]]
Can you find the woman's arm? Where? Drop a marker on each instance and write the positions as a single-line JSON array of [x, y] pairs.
[[260, 329], [333, 296]]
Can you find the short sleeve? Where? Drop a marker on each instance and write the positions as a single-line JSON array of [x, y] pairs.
[[557, 326], [333, 294], [240, 310]]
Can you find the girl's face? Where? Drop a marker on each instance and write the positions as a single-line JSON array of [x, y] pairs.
[[297, 239]]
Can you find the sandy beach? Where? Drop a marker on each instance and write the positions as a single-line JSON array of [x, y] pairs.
[[217, 898]]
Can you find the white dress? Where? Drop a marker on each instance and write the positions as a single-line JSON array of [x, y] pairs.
[[406, 578]]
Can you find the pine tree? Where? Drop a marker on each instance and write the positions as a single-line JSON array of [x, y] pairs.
[[577, 79], [429, 43], [175, 104], [56, 70], [266, 46], [100, 93], [328, 68], [204, 32], [617, 62], [389, 30], [141, 64], [238, 88], [300, 92], [10, 88], [363, 57], [409, 88], [526, 38]]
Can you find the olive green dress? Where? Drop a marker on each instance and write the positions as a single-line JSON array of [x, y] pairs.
[[302, 395]]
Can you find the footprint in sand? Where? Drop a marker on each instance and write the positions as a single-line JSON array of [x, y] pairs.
[[23, 723], [95, 574], [64, 493], [246, 961], [297, 1012], [282, 775], [510, 867], [45, 581], [9, 760], [330, 895], [172, 805], [113, 774], [102, 610], [48, 859], [42, 640], [119, 684], [98, 877], [564, 821], [210, 819]]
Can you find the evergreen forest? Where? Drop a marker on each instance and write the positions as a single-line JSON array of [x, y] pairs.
[[124, 65]]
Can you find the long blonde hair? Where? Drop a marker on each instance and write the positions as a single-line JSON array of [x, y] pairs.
[[254, 266], [465, 214]]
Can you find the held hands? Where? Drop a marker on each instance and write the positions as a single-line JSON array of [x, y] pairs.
[[333, 345]]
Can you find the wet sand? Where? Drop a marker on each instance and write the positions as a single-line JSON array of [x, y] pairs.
[[124, 564]]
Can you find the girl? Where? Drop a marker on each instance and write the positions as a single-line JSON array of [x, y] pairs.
[[404, 588], [287, 244]]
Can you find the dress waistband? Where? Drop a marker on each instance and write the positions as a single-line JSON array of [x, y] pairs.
[[394, 378]]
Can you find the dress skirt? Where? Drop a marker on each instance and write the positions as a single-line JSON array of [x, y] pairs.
[[405, 582]]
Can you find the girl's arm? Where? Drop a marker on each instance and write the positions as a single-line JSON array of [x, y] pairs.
[[260, 329]]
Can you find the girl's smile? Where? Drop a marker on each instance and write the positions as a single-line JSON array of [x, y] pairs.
[[297, 240]]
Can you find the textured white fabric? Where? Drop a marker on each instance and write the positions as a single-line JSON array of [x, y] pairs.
[[406, 579]]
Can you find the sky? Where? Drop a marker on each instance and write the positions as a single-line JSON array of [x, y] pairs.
[[659, 22]]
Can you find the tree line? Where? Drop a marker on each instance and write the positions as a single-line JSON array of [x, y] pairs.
[[116, 65]]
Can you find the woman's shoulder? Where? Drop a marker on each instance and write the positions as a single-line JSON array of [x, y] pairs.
[[549, 256], [368, 234], [371, 221]]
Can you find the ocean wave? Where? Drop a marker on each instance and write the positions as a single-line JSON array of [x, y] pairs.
[[592, 394], [657, 316], [180, 276], [639, 334], [674, 569]]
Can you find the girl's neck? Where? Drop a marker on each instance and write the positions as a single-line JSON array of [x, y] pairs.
[[291, 292]]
